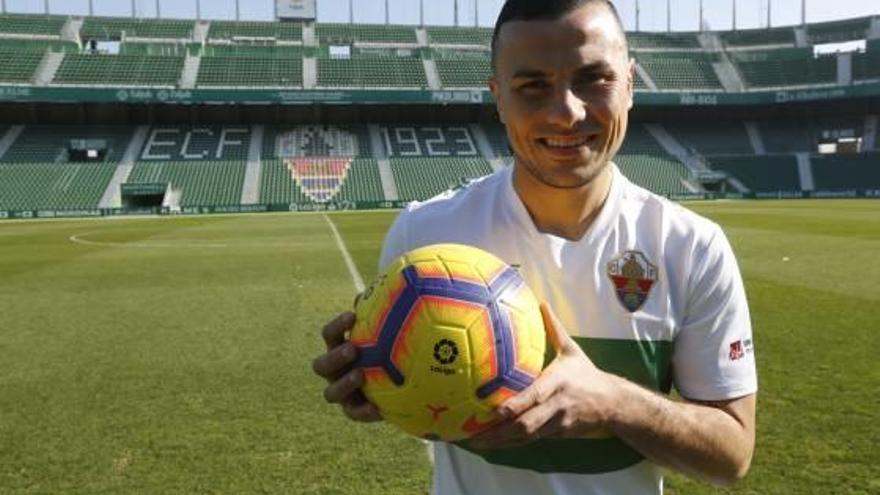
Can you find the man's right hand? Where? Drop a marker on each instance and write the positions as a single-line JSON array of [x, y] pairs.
[[335, 366]]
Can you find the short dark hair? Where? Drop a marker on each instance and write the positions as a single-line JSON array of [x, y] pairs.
[[543, 10]]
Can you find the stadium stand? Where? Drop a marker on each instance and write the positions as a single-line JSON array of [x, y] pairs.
[[252, 51], [32, 24], [838, 31], [785, 135], [429, 141], [280, 184], [647, 164], [102, 69], [52, 186], [242, 71], [681, 70], [372, 68], [117, 28], [866, 65], [759, 37], [19, 66], [336, 162], [438, 35], [158, 49], [785, 67], [761, 173], [35, 173], [420, 178], [497, 137], [712, 138], [298, 161], [846, 172], [206, 163], [351, 33], [638, 40], [463, 68], [230, 30], [38, 144], [37, 45]]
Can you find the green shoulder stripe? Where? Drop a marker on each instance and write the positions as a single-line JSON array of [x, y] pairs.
[[646, 363]]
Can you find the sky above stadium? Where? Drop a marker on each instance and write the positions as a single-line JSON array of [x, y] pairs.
[[718, 14]]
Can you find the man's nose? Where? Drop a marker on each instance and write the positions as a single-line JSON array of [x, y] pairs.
[[567, 108]]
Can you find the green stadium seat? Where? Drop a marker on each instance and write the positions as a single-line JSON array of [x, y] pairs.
[[19, 66], [371, 71], [114, 28], [785, 136], [846, 172], [759, 37], [139, 70], [761, 173], [422, 178], [45, 144], [639, 40], [329, 33], [53, 186], [680, 70], [201, 182], [785, 67], [250, 72], [362, 183], [866, 65], [838, 31], [32, 24], [646, 163], [252, 51], [718, 137], [463, 68], [37, 45], [286, 31], [440, 35]]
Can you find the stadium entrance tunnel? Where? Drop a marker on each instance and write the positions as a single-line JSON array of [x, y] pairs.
[[143, 195]]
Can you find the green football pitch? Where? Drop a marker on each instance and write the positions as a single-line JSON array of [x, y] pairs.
[[173, 355]]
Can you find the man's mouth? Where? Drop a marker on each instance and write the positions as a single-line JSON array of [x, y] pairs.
[[565, 142]]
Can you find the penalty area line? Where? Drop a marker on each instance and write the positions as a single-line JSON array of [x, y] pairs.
[[352, 269]]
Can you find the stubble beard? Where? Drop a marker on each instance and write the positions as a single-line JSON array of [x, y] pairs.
[[593, 170]]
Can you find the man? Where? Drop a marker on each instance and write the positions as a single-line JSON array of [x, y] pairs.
[[640, 293]]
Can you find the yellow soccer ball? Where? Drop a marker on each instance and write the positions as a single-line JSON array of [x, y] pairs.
[[445, 335]]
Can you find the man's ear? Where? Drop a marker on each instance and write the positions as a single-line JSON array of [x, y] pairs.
[[496, 93]]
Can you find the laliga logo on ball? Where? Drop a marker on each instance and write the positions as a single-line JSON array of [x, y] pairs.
[[444, 336]]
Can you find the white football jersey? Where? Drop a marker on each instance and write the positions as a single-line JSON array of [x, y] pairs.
[[652, 292]]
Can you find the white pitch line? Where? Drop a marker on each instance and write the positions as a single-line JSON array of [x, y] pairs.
[[352, 269]]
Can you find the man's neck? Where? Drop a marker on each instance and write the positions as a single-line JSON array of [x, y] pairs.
[[562, 212]]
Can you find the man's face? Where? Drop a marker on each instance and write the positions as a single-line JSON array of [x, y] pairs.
[[563, 90]]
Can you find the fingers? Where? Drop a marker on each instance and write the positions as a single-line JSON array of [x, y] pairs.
[[334, 332], [357, 408], [340, 389], [534, 424], [335, 361], [539, 392]]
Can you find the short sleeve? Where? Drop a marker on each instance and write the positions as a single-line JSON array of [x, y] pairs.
[[395, 241], [714, 356]]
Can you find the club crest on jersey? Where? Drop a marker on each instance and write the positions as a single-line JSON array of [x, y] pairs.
[[318, 159], [633, 277]]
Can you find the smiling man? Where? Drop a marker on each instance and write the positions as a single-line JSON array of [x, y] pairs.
[[640, 294]]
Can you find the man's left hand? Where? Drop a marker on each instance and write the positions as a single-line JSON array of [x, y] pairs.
[[571, 398]]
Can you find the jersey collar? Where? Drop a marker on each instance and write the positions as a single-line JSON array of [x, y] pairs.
[[597, 230]]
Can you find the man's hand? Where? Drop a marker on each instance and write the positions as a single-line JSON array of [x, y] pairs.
[[571, 398], [335, 366]]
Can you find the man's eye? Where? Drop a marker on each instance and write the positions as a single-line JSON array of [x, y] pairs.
[[534, 85]]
